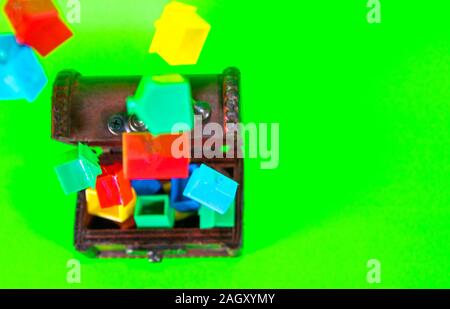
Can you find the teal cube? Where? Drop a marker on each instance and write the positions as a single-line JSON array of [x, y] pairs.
[[162, 102], [154, 211], [79, 169], [210, 218]]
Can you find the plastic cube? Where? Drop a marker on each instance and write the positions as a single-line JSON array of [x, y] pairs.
[[37, 24], [210, 219], [182, 215], [149, 157], [153, 211], [117, 213], [211, 189], [177, 200], [79, 170], [146, 186], [21, 74], [166, 186], [180, 34], [162, 102], [112, 187]]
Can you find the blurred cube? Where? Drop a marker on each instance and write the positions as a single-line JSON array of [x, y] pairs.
[[149, 157], [37, 24], [21, 74]]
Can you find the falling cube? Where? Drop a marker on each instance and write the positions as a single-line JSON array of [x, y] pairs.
[[180, 34], [112, 187], [21, 74], [210, 218], [153, 211], [149, 157], [37, 24], [163, 103], [117, 213], [177, 200], [79, 170], [211, 189]]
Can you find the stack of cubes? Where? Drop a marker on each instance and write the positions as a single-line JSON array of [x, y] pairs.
[[156, 183], [164, 104]]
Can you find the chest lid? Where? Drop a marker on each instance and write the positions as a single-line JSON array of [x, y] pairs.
[[82, 107]]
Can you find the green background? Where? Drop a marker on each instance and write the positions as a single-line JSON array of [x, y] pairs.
[[364, 146]]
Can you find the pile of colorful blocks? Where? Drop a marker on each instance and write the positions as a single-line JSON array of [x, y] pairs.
[[156, 183], [155, 180]]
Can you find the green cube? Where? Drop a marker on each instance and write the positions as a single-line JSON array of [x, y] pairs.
[[79, 169], [210, 218], [162, 102], [154, 211]]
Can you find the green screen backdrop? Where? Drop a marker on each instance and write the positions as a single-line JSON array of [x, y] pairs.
[[364, 167]]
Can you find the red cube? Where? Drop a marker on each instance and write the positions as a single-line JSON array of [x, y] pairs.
[[37, 24], [112, 187], [149, 157]]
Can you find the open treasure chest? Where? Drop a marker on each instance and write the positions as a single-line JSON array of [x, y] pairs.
[[158, 219]]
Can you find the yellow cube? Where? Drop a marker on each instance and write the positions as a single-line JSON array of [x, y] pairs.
[[180, 34], [118, 213], [183, 215]]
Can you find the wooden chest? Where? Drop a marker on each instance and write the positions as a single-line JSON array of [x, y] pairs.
[[81, 107]]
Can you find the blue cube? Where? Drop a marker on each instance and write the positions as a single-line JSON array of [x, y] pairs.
[[177, 200], [21, 74], [211, 189], [146, 186]]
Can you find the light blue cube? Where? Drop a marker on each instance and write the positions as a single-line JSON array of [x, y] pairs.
[[211, 189], [21, 74]]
